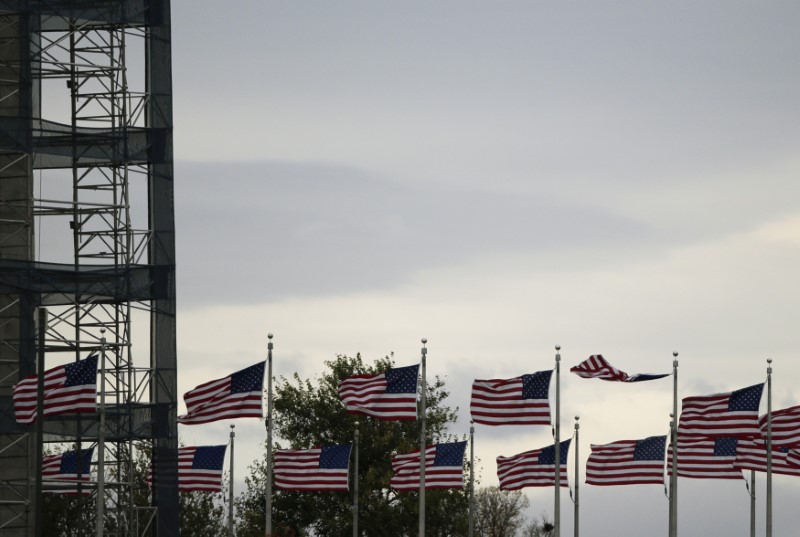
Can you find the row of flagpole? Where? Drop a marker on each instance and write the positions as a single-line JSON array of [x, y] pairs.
[[673, 480]]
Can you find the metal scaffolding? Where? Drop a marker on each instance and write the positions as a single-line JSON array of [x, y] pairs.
[[87, 231]]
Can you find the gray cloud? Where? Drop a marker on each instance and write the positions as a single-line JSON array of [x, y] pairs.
[[265, 231]]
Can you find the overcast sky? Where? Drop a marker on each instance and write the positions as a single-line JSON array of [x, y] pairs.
[[498, 177]]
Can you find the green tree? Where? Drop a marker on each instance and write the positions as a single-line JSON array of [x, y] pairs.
[[308, 414], [498, 513], [539, 528]]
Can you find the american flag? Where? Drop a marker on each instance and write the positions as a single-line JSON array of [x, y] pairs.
[[731, 414], [444, 468], [710, 458], [60, 472], [325, 468], [535, 468], [792, 457], [519, 401], [68, 389], [785, 427], [627, 462], [752, 455], [238, 395], [597, 367], [199, 468], [391, 395]]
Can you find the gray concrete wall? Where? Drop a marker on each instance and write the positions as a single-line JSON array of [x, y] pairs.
[[16, 242]]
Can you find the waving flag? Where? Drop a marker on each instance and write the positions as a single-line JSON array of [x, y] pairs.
[[236, 396], [732, 414], [597, 367], [68, 389], [627, 462], [535, 468], [518, 401], [444, 468], [707, 458], [325, 468], [785, 427], [199, 468], [387, 396], [752, 455], [60, 472]]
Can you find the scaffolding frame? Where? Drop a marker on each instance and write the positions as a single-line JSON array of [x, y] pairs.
[[114, 150]]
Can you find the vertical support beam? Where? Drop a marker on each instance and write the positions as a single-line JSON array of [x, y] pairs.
[[355, 485], [17, 335], [673, 433], [163, 352], [268, 494], [577, 478], [230, 487], [422, 440], [752, 503], [40, 369], [769, 448], [471, 477], [557, 444]]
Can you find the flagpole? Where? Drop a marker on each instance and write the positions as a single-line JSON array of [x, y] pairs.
[[752, 503], [101, 441], [268, 524], [471, 477], [355, 487], [230, 487], [577, 479], [673, 432], [769, 447], [38, 507], [557, 435], [422, 457]]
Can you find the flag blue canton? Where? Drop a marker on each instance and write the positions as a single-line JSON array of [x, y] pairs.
[[537, 385], [81, 372], [335, 456], [548, 454], [650, 449], [725, 447], [451, 454], [248, 380], [402, 379], [747, 399], [209, 457], [69, 462]]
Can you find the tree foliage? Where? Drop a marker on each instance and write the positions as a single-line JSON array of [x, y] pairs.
[[499, 513], [308, 414], [539, 528]]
